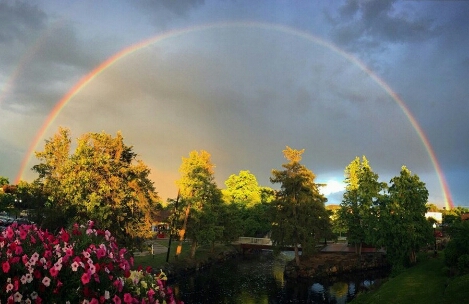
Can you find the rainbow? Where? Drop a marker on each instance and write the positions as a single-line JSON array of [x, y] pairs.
[[281, 28]]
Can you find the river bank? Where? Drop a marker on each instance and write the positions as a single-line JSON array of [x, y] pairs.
[[324, 264]]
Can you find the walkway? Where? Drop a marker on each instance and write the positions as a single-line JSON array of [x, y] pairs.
[[157, 248]]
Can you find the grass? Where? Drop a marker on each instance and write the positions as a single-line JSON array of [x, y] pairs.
[[426, 282], [157, 261]]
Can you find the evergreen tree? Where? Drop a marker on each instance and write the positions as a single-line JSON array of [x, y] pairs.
[[299, 215]]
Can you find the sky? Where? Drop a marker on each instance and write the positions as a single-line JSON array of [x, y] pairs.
[[243, 80]]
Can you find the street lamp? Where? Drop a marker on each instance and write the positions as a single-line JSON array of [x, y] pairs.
[[434, 236]]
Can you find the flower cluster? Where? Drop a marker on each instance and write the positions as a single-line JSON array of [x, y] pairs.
[[83, 265]]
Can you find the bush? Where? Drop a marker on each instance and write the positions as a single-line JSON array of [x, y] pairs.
[[457, 249], [83, 265]]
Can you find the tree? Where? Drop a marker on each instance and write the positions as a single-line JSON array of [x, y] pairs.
[[101, 181], [4, 181], [299, 216], [249, 204], [362, 193], [242, 189], [201, 201], [403, 227], [432, 207], [457, 249]]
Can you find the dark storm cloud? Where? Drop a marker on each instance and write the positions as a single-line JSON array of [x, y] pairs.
[[368, 24], [162, 12], [19, 21], [41, 57]]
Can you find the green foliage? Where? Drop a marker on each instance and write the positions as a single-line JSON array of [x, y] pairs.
[[248, 204], [394, 220], [4, 180], [362, 193], [201, 201], [242, 189], [457, 249], [402, 227], [299, 216], [101, 181]]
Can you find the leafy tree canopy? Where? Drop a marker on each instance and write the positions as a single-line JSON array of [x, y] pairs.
[[101, 181]]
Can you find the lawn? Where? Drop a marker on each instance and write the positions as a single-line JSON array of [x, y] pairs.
[[157, 261], [426, 282]]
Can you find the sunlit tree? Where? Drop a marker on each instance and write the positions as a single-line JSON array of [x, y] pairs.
[[403, 228], [101, 181], [201, 201], [299, 216], [249, 204], [362, 193]]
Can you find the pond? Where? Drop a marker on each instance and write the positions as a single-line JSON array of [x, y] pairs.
[[260, 279]]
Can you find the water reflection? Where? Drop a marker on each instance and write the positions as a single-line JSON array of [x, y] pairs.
[[259, 279]]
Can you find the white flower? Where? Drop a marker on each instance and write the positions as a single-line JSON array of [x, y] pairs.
[[46, 281]]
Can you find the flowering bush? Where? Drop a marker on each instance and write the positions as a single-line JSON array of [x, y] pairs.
[[84, 265]]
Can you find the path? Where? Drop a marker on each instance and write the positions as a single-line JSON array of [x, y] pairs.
[[157, 248]]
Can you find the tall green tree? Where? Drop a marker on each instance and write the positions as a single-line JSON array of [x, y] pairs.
[[101, 181], [299, 216], [249, 204], [201, 201], [242, 189], [402, 225], [362, 193]]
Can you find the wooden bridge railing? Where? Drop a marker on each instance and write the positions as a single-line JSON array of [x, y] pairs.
[[252, 240]]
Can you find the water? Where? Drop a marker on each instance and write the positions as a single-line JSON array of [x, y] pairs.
[[259, 279]]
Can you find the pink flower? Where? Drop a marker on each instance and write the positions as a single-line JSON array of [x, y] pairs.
[[74, 266], [53, 271], [127, 298], [46, 281], [23, 233], [18, 250], [116, 300], [9, 287], [85, 278], [9, 232], [101, 253], [17, 297], [6, 267]]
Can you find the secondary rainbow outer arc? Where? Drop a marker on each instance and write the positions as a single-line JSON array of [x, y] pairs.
[[281, 28]]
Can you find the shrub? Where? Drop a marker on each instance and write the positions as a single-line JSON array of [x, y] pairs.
[[83, 265]]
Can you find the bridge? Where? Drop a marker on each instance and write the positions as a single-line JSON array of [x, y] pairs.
[[251, 243]]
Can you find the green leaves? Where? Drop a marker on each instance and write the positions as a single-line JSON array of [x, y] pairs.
[[102, 181], [300, 217], [394, 220]]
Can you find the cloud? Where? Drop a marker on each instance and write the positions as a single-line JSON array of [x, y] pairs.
[[160, 13], [19, 21], [177, 97], [332, 186], [370, 22]]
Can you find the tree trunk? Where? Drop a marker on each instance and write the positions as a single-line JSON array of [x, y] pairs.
[[183, 231], [358, 248], [413, 257], [297, 255], [193, 248]]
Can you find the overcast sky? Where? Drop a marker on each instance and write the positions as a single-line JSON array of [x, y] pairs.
[[243, 79]]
